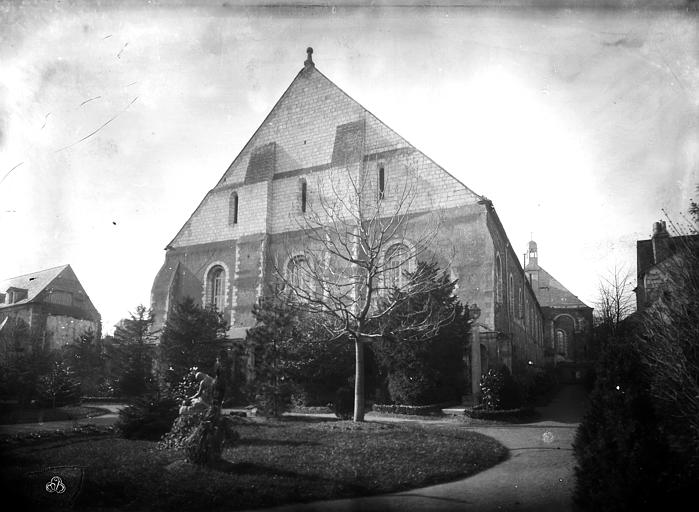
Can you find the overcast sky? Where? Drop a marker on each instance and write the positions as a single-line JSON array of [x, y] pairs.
[[579, 124]]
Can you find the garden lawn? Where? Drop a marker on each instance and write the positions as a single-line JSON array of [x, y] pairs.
[[275, 462], [11, 416]]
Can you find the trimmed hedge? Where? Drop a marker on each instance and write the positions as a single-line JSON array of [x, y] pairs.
[[411, 410], [499, 414]]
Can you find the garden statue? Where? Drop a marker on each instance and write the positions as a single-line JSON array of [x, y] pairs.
[[202, 399]]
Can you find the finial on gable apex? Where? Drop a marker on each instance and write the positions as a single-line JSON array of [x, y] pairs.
[[308, 63]]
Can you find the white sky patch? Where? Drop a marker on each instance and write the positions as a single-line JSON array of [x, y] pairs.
[[579, 125]]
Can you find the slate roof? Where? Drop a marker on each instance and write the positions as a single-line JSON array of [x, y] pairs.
[[551, 293], [34, 283]]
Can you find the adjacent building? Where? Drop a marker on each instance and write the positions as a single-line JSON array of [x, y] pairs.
[[654, 258], [52, 303]]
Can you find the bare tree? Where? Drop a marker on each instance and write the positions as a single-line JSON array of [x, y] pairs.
[[362, 230], [615, 300]]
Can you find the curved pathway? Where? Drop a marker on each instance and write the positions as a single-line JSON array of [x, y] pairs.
[[538, 475], [50, 426]]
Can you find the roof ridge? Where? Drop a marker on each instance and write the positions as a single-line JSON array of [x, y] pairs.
[[34, 273]]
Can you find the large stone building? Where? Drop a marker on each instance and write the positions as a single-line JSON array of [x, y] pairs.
[[52, 303], [224, 254]]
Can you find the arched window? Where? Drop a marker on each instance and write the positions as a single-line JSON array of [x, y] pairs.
[[511, 296], [297, 273], [498, 279], [382, 182], [216, 286], [561, 342], [233, 209], [395, 260], [304, 192]]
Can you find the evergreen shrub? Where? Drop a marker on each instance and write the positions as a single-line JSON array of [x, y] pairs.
[[148, 418], [343, 406], [621, 454]]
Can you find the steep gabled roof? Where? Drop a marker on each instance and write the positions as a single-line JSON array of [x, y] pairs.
[[304, 131], [34, 283], [551, 293]]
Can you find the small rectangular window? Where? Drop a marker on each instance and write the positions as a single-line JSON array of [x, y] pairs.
[[303, 195], [382, 182]]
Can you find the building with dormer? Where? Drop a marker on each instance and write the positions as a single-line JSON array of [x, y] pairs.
[[52, 303]]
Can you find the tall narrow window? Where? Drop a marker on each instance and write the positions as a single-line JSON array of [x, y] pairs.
[[520, 304], [233, 209], [511, 296], [304, 191], [217, 289], [498, 279], [382, 182], [561, 342]]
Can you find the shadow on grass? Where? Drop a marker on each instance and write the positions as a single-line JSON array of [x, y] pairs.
[[253, 469], [274, 442], [307, 419]]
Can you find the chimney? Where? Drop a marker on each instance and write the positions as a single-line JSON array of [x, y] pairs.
[[660, 241]]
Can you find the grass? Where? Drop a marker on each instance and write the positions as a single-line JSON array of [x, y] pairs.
[[11, 416], [276, 462]]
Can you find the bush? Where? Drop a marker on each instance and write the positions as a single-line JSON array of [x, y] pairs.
[[148, 418], [420, 388], [343, 406], [622, 458], [499, 390], [272, 400]]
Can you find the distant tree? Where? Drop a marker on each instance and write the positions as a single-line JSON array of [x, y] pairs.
[[60, 386], [615, 300], [192, 336], [25, 358], [422, 365], [86, 358], [135, 343]]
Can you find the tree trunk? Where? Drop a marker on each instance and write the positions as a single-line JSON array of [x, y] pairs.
[[358, 380]]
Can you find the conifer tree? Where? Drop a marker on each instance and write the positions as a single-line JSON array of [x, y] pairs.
[[424, 366], [192, 337], [136, 345]]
